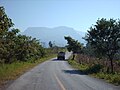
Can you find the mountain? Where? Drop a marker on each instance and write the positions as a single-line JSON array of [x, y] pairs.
[[55, 35]]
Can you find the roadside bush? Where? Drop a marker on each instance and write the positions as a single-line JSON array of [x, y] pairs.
[[112, 78], [115, 79], [95, 68]]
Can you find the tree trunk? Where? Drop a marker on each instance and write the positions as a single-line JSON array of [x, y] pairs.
[[111, 62], [73, 56]]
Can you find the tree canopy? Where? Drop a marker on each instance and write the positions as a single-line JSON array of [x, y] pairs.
[[73, 45], [104, 37], [14, 46], [50, 44]]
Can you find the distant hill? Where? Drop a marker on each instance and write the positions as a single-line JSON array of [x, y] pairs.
[[56, 34]]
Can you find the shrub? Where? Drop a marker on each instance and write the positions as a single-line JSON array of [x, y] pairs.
[[95, 68]]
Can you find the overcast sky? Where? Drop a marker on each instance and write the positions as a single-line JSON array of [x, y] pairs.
[[78, 14]]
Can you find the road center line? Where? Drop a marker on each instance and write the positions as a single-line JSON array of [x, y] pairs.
[[59, 82]]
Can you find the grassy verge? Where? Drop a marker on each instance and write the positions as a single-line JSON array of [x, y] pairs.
[[95, 71], [12, 71], [112, 78]]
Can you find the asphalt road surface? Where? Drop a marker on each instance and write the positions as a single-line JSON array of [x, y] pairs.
[[58, 75]]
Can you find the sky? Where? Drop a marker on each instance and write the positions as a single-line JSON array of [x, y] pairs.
[[77, 14]]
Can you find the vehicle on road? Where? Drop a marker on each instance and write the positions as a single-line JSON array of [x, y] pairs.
[[61, 56]]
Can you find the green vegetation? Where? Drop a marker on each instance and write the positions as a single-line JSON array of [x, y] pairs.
[[112, 78], [101, 55], [19, 53], [14, 46], [85, 68], [78, 66], [73, 45], [96, 71], [104, 37], [50, 44], [14, 70]]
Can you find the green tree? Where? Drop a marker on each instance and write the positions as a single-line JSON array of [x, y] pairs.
[[104, 37], [73, 45], [50, 44], [14, 46], [88, 50], [10, 45], [28, 48], [5, 24]]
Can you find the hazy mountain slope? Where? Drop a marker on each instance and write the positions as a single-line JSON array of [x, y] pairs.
[[54, 34]]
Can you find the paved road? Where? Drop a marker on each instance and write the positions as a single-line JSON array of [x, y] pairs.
[[58, 75]]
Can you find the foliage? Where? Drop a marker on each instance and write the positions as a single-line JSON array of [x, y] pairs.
[[88, 50], [95, 68], [73, 45], [85, 68], [95, 71], [50, 44], [14, 46], [104, 37], [75, 64], [112, 78]]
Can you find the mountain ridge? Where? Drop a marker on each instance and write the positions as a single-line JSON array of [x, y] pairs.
[[56, 34]]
